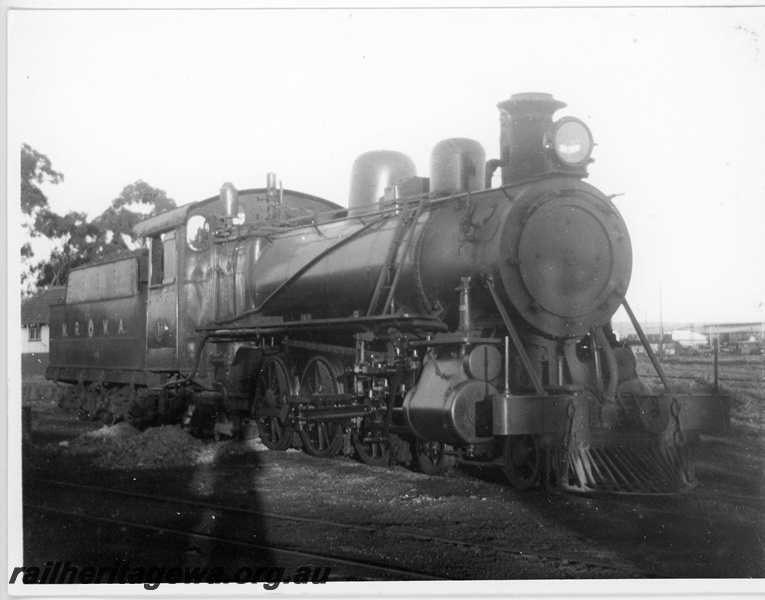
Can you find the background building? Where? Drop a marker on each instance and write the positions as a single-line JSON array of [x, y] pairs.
[[35, 333], [737, 338]]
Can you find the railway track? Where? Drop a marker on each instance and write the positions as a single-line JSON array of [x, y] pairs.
[[326, 559], [343, 567], [359, 540], [753, 505], [753, 517]]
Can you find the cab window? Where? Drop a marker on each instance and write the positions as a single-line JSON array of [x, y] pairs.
[[163, 258], [198, 233]]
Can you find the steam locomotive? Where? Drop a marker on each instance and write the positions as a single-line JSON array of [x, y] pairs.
[[434, 320]]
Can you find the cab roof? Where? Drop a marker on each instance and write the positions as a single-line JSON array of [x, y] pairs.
[[176, 216]]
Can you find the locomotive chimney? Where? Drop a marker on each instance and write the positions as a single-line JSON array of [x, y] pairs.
[[524, 120]]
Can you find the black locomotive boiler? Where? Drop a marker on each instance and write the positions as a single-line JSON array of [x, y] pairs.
[[436, 319]]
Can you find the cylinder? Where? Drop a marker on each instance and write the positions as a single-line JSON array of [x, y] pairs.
[[457, 166], [525, 119], [447, 406], [372, 172]]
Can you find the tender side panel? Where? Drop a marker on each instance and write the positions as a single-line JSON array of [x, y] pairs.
[[100, 333], [107, 281]]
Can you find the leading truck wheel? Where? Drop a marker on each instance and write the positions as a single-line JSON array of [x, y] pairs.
[[371, 452], [522, 460], [432, 458], [272, 411], [322, 439], [368, 442]]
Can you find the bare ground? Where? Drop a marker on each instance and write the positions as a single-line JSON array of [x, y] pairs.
[[714, 531]]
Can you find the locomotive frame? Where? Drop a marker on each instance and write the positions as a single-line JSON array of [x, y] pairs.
[[433, 321]]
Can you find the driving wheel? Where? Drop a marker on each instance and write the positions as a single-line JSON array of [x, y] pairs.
[[321, 375], [272, 412]]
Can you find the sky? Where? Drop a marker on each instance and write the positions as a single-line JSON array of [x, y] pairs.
[[187, 100]]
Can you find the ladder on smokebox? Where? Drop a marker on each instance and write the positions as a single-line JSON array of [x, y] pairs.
[[407, 223]]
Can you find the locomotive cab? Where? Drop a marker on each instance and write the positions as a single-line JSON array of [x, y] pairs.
[[162, 234]]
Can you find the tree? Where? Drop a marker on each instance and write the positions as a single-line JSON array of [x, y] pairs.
[[137, 201], [73, 238], [36, 168], [78, 240], [75, 243]]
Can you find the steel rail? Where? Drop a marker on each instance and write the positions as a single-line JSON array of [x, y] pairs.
[[515, 551], [233, 542]]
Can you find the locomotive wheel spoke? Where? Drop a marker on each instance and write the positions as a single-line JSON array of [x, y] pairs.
[[432, 459], [374, 453], [271, 391], [523, 460], [322, 439], [277, 431]]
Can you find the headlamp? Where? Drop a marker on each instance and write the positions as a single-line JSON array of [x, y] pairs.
[[572, 141]]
